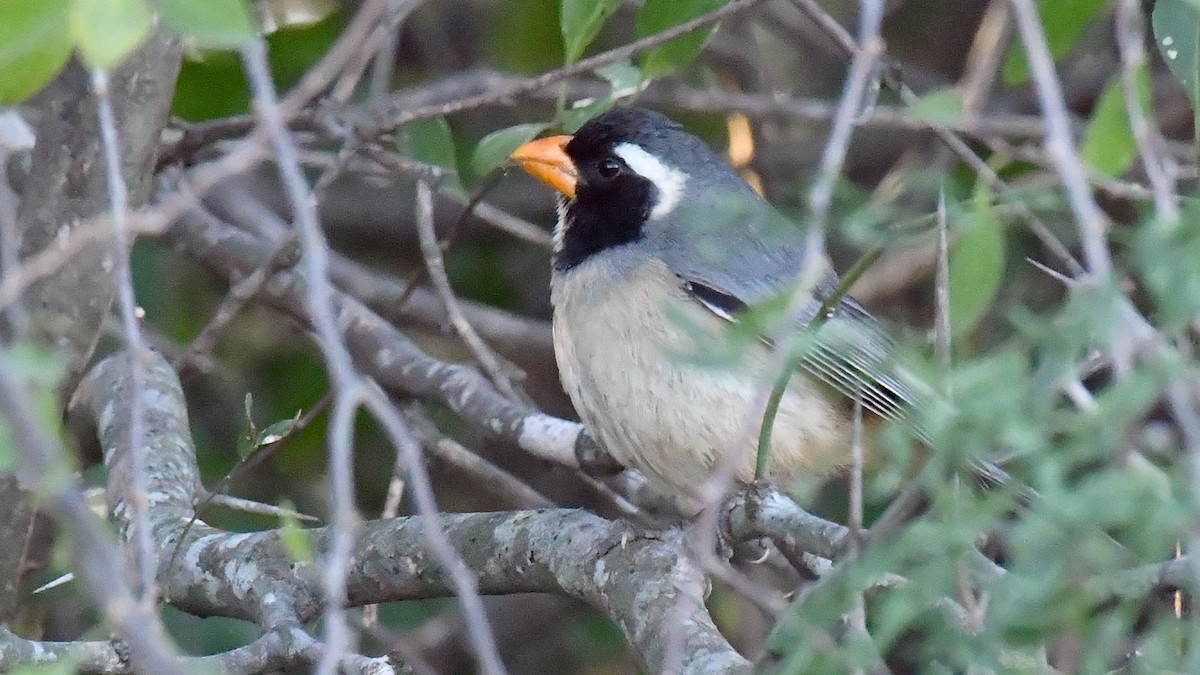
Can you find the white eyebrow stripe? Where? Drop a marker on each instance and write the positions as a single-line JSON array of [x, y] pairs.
[[669, 180]]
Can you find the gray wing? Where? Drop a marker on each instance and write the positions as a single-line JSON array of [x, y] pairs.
[[850, 351], [731, 249], [729, 268]]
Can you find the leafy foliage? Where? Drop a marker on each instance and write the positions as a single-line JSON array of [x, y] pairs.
[[657, 15], [105, 31], [34, 43], [976, 265], [1064, 22], [493, 150], [37, 37], [1108, 145], [216, 24], [581, 21]]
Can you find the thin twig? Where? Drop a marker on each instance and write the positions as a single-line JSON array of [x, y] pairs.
[[1089, 219], [345, 381], [250, 506], [348, 386], [465, 587], [988, 48], [1160, 168], [346, 48], [383, 66], [511, 489], [760, 413], [436, 266], [855, 519], [118, 196], [814, 262], [234, 301], [492, 215], [544, 80], [941, 290], [98, 560], [959, 147], [380, 46]]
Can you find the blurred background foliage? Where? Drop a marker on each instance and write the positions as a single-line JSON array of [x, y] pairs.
[[1113, 465]]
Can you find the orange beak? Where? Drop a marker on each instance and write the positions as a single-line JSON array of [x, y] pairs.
[[546, 159]]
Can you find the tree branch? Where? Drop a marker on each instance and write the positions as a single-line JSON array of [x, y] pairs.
[[639, 582]]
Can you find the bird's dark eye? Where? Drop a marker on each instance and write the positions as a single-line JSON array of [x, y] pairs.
[[608, 167]]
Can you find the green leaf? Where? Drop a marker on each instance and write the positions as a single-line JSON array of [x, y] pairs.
[[295, 540], [246, 442], [277, 431], [624, 79], [940, 106], [216, 24], [431, 142], [106, 31], [658, 15], [1064, 22], [976, 266], [582, 111], [1166, 254], [580, 21], [35, 42], [493, 151], [1108, 144], [38, 374], [1177, 34]]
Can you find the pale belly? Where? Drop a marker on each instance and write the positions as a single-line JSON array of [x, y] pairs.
[[622, 356]]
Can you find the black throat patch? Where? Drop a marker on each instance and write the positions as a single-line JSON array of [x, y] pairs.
[[601, 217]]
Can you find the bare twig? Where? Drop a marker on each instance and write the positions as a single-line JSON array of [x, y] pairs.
[[855, 519], [1160, 168], [760, 415], [379, 47], [345, 381], [393, 119], [348, 386], [759, 106], [941, 290], [492, 215], [251, 506], [434, 263], [392, 359], [892, 80], [344, 50], [234, 301], [983, 62], [130, 324], [1089, 219], [489, 476], [383, 66]]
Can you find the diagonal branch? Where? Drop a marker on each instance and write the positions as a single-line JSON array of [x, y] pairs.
[[639, 582]]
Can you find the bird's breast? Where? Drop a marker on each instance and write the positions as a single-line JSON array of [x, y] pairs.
[[626, 336]]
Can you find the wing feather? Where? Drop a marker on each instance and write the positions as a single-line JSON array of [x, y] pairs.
[[850, 353]]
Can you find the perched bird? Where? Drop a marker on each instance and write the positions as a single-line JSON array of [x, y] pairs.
[[659, 247]]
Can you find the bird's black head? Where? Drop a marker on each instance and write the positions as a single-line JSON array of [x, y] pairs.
[[632, 166], [626, 173]]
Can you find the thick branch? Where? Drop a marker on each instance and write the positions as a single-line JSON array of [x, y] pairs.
[[645, 585], [67, 184]]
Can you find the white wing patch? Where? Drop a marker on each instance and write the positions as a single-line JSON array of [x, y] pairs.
[[669, 180], [712, 307]]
